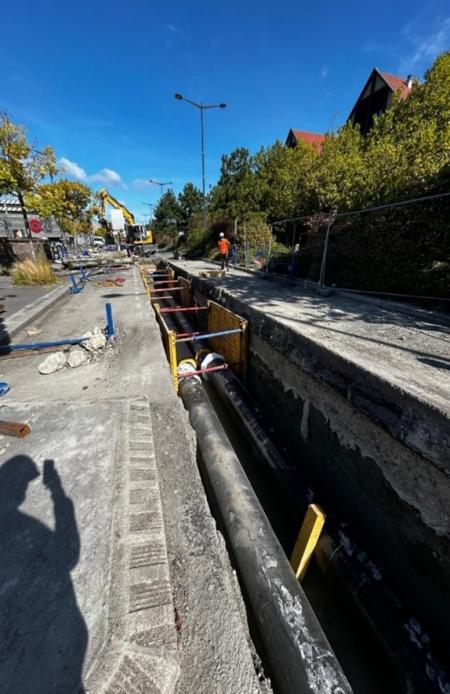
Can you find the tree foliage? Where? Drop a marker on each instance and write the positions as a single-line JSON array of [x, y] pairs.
[[190, 207], [406, 153], [22, 170], [22, 165], [236, 194], [70, 203], [167, 216]]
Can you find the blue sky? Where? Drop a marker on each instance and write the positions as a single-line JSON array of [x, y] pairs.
[[96, 79]]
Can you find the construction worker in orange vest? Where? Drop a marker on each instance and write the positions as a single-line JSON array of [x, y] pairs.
[[224, 249]]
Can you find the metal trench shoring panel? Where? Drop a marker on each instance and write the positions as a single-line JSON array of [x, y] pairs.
[[233, 348], [169, 342], [185, 294]]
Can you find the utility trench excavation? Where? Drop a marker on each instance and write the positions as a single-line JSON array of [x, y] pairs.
[[341, 563]]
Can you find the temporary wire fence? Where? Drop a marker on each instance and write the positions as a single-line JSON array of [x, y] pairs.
[[400, 249], [251, 246]]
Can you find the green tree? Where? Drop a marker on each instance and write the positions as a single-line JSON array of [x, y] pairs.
[[236, 194], [190, 203], [70, 203], [22, 165], [167, 216], [283, 177], [339, 174]]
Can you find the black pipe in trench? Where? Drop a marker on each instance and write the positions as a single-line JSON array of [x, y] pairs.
[[299, 654], [298, 651]]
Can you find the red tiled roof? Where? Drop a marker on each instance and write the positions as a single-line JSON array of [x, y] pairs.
[[397, 84], [315, 139]]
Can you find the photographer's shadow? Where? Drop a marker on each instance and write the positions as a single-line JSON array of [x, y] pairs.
[[43, 636]]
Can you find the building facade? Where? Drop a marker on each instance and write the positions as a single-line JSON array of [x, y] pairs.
[[12, 223]]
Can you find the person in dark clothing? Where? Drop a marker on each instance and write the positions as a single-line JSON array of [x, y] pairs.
[[43, 636], [295, 266], [233, 252]]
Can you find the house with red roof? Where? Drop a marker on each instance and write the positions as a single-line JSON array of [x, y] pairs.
[[375, 98], [314, 139]]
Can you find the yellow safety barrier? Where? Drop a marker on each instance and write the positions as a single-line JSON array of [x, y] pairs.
[[307, 539]]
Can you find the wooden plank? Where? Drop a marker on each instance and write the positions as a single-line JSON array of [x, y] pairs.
[[307, 539], [18, 429]]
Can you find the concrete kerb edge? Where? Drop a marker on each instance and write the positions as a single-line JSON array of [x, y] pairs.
[[13, 326]]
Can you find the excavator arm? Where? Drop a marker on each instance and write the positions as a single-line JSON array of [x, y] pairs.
[[107, 198]]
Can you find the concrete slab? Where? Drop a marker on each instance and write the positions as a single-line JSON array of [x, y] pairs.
[[88, 598]]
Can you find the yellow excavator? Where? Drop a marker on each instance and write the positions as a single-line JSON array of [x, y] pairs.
[[136, 234]]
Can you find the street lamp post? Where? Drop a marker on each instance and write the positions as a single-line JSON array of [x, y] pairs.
[[202, 107], [149, 205], [161, 184]]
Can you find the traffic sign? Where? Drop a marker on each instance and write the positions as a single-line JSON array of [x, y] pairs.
[[36, 226]]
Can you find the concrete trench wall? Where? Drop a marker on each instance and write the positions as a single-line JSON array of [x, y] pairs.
[[374, 459], [365, 477]]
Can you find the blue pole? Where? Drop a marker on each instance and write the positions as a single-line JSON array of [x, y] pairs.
[[74, 289], [43, 345], [109, 321], [206, 336]]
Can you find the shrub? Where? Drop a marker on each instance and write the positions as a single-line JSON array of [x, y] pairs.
[[33, 272]]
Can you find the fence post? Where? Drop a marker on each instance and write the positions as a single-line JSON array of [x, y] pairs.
[[245, 246], [324, 256], [294, 229]]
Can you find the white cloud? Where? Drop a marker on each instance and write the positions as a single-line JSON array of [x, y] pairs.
[[107, 176], [174, 29], [425, 47], [324, 72], [72, 169], [141, 184]]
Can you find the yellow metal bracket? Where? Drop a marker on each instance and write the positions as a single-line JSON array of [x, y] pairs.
[[145, 281], [173, 358], [307, 539]]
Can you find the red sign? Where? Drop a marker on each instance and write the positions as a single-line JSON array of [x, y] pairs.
[[36, 226]]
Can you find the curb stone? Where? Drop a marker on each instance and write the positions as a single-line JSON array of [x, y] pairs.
[[142, 640]]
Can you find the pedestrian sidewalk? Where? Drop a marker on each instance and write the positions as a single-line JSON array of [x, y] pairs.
[[113, 577]]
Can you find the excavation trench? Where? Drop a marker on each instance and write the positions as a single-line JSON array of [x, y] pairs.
[[374, 652]]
